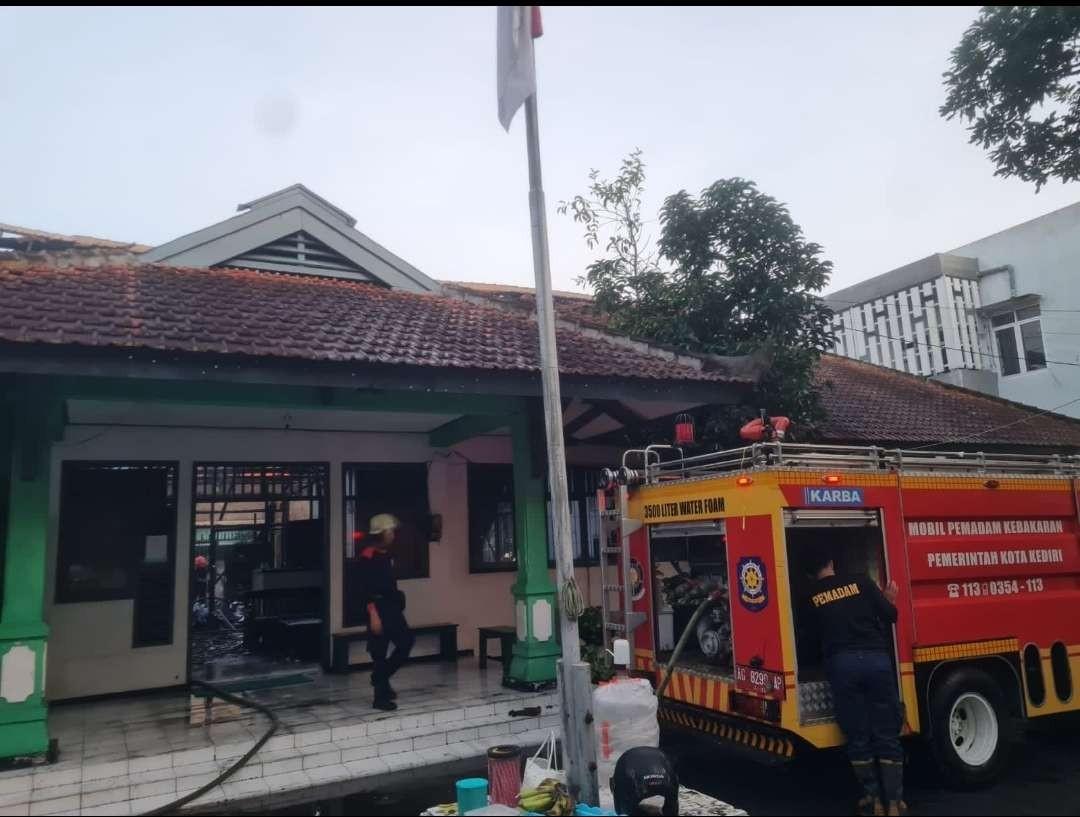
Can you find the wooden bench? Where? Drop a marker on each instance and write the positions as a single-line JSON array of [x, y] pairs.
[[448, 649], [506, 636]]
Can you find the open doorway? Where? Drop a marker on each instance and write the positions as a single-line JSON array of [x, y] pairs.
[[855, 542], [689, 564], [258, 577]]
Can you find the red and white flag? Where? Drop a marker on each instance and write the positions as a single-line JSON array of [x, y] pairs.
[[518, 26]]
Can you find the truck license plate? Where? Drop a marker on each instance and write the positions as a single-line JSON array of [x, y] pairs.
[[762, 681]]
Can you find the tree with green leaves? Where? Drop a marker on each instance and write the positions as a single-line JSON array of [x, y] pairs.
[[732, 274], [1014, 80]]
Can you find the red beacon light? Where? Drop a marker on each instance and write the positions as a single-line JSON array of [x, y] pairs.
[[684, 430], [742, 482], [831, 479]]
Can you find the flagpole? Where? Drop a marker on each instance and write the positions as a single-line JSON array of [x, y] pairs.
[[574, 676]]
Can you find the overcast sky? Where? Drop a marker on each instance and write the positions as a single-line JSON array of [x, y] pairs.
[[147, 124]]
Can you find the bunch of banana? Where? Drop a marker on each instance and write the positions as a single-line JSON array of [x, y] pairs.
[[550, 798]]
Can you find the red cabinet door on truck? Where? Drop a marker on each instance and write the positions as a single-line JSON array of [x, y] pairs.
[[756, 599]]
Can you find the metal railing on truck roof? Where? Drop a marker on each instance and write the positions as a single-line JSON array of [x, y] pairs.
[[647, 465]]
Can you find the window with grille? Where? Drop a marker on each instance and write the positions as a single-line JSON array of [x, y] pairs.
[[491, 518], [581, 484]]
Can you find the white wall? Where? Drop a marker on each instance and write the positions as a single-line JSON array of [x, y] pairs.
[[90, 649], [1045, 254], [900, 330]]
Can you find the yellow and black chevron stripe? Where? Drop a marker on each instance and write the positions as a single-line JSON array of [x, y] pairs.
[[970, 649], [698, 690], [779, 746]]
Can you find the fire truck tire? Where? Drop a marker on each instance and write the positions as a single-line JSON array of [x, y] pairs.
[[971, 727]]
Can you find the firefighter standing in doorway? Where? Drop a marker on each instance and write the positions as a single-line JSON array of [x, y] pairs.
[[385, 606], [855, 617]]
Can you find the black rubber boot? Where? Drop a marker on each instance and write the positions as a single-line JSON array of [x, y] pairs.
[[383, 697], [892, 781], [383, 688], [870, 803]]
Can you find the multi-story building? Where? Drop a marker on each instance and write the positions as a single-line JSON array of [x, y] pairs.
[[1000, 314]]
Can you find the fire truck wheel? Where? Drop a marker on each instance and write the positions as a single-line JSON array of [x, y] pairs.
[[971, 727]]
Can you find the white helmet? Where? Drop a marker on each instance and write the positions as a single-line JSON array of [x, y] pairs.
[[382, 522]]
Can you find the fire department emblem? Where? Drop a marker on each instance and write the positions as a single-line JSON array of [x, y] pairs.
[[753, 586]]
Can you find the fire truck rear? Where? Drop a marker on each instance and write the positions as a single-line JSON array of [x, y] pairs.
[[983, 547]]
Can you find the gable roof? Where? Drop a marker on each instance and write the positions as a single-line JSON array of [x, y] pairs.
[[255, 314], [254, 237]]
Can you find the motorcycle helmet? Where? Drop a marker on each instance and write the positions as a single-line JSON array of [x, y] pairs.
[[641, 773]]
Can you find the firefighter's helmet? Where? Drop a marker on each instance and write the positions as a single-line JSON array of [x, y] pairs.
[[382, 522]]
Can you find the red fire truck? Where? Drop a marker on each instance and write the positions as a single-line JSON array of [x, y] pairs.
[[983, 546]]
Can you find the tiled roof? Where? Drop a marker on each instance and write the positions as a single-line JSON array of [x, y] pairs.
[[31, 236], [873, 404], [248, 312], [576, 307], [869, 404]]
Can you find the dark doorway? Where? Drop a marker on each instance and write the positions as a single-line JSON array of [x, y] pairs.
[[258, 578]]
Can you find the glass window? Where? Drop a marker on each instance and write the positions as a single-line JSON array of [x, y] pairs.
[[400, 489], [1031, 334], [1019, 340], [581, 484], [491, 518], [117, 521], [1007, 356]]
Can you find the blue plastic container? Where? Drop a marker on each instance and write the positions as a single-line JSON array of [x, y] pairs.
[[472, 793]]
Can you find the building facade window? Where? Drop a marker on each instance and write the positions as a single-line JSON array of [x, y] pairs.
[[400, 489], [117, 530], [491, 518], [581, 484], [1019, 341]]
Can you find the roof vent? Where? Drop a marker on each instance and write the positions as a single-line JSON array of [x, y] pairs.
[[299, 253]]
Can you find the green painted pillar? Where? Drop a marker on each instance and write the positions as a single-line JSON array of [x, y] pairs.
[[537, 648], [26, 433]]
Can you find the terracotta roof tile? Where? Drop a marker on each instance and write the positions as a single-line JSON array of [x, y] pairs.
[[31, 236], [258, 313], [868, 403]]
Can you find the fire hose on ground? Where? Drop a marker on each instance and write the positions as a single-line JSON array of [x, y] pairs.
[[176, 805]]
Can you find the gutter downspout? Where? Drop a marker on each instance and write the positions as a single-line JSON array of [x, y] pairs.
[[1002, 268]]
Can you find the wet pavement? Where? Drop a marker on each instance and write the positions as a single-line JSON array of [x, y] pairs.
[[1043, 779]]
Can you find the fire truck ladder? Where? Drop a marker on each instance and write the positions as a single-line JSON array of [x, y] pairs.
[[616, 581]]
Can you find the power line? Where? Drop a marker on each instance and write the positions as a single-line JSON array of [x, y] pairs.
[[897, 294], [999, 427], [919, 342]]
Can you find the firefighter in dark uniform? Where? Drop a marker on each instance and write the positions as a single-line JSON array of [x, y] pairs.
[[385, 606], [854, 618]]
